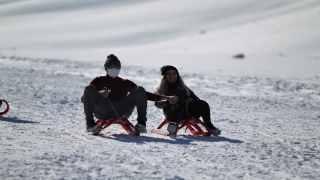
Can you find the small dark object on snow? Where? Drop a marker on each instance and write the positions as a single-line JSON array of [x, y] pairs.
[[239, 56], [7, 109]]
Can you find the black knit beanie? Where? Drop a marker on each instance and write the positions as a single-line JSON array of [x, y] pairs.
[[112, 60], [166, 68]]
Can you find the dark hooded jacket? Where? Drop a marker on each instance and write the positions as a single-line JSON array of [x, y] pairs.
[[173, 90]]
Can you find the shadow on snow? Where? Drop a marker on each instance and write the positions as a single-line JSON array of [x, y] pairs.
[[213, 139], [182, 139], [15, 120]]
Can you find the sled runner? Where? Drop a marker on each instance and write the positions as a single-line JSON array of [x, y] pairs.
[[7, 109], [124, 122], [191, 123]]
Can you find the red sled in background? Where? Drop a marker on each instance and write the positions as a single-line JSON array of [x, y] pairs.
[[191, 123], [7, 109]]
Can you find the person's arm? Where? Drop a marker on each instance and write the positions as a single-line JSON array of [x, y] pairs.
[[160, 97], [167, 98], [157, 97], [166, 101], [153, 96], [162, 104]]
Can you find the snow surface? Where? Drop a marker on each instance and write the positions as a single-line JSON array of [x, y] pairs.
[[267, 104]]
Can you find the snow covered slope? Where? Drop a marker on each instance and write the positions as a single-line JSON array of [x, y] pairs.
[[270, 128], [267, 104]]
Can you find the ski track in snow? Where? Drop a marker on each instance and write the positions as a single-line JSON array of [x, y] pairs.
[[270, 127]]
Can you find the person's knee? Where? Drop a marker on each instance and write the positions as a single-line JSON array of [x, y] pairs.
[[140, 89], [90, 88], [203, 103]]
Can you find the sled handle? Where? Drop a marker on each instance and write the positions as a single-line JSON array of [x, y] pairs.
[[7, 109]]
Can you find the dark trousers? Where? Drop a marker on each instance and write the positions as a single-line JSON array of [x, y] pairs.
[[195, 109], [101, 108]]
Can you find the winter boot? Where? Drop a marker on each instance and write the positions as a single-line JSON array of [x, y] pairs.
[[173, 129], [93, 127], [141, 128], [214, 131]]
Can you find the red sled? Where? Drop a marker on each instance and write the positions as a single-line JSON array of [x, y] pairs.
[[191, 123], [7, 109], [124, 122]]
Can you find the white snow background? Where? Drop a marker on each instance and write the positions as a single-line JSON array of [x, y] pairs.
[[267, 104]]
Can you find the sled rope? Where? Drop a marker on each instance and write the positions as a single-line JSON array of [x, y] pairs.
[[113, 108], [125, 124], [188, 115]]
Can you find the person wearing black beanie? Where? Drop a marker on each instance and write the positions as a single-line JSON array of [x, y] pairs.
[[110, 96], [166, 68], [112, 60], [188, 104]]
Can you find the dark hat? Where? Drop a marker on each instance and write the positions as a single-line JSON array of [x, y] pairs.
[[112, 60], [166, 68]]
